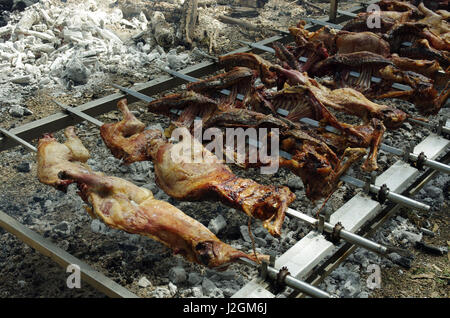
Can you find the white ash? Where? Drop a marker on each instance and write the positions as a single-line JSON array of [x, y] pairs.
[[76, 46]]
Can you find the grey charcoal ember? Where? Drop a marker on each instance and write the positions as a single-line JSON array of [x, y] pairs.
[[260, 232], [161, 292], [195, 279], [76, 72], [244, 233], [411, 237], [152, 187], [197, 292], [144, 282], [294, 182], [260, 242], [173, 289], [63, 228], [21, 283], [433, 191], [217, 224], [23, 167], [19, 111], [98, 226], [363, 294], [216, 293], [208, 286], [351, 289], [177, 275], [179, 61]]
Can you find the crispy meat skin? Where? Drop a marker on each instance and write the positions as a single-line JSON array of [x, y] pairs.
[[312, 159], [252, 61], [125, 206], [182, 178], [53, 157], [346, 99]]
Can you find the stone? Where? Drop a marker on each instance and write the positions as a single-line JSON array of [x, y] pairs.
[[62, 228], [244, 233], [76, 72], [23, 167], [208, 286], [144, 282], [217, 224], [177, 62], [177, 275], [194, 279], [172, 289], [197, 292]]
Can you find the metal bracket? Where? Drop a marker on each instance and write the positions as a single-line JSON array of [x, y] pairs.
[[382, 194], [420, 162], [335, 236], [407, 151], [280, 280], [369, 182], [320, 223]]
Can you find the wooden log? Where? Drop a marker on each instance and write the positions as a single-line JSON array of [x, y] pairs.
[[242, 23], [188, 21]]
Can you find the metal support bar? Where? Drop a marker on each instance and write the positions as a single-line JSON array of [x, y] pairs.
[[343, 234], [20, 141], [80, 114], [64, 259], [392, 196]]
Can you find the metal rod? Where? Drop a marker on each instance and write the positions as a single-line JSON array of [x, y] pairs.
[[323, 23], [291, 281], [299, 285], [64, 259], [18, 140], [344, 234], [80, 114]]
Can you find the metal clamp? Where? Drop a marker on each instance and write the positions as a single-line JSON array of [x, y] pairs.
[[370, 181], [420, 162], [335, 236], [320, 224], [383, 193], [280, 281]]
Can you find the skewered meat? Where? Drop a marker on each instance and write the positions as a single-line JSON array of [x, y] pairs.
[[239, 80], [349, 42], [53, 157], [346, 100], [186, 179], [191, 103], [422, 92], [252, 61], [125, 206]]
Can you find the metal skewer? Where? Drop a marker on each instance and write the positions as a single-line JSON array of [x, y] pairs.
[[18, 139], [76, 112]]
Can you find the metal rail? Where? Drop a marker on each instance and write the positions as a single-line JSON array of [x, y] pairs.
[[64, 259]]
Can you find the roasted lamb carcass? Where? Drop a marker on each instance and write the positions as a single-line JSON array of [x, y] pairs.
[[125, 206], [252, 61], [204, 178], [422, 93], [53, 157], [319, 167], [346, 100]]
